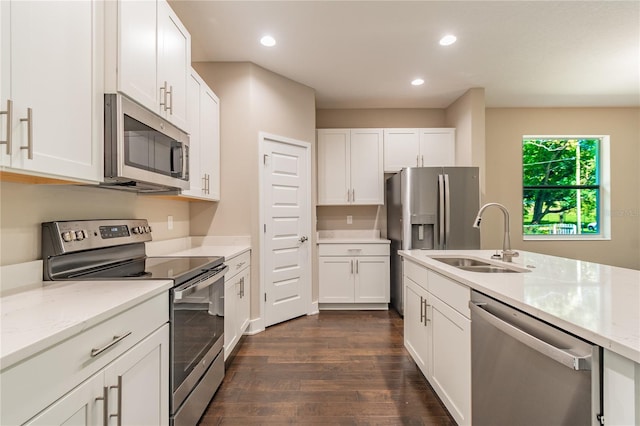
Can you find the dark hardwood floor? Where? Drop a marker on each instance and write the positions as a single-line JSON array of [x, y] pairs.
[[335, 368]]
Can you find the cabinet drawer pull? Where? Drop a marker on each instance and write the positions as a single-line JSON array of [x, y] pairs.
[[239, 265], [29, 121], [9, 114], [116, 340]]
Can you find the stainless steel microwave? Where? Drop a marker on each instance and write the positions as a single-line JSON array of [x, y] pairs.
[[142, 151]]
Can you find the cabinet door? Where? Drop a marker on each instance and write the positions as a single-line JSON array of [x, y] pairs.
[[336, 279], [437, 147], [231, 291], [139, 382], [372, 279], [244, 302], [174, 60], [333, 166], [451, 359], [79, 407], [401, 149], [416, 327], [367, 176], [196, 176], [137, 52], [210, 143], [56, 72]]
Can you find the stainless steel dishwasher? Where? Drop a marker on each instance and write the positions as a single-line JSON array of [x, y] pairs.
[[526, 372]]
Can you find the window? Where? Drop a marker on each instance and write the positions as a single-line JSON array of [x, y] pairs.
[[564, 187]]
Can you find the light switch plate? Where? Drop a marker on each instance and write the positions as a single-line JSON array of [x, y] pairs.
[[349, 219]]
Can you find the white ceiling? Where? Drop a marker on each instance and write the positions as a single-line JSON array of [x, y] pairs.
[[363, 54]]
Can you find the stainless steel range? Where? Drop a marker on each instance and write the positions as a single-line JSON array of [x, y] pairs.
[[114, 249]]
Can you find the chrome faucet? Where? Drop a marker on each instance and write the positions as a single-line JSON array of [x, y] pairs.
[[507, 253]]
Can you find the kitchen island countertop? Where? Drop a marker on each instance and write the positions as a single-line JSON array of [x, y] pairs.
[[599, 303]]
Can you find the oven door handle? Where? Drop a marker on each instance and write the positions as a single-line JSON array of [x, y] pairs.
[[190, 287]]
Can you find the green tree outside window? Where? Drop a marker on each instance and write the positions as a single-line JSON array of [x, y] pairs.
[[561, 186]]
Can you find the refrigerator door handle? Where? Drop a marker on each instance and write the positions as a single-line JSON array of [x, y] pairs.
[[447, 208], [441, 211]]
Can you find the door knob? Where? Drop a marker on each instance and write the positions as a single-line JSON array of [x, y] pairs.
[[303, 239]]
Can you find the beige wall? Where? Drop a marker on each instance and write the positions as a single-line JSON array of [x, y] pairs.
[[504, 131], [252, 100], [24, 207], [364, 118]]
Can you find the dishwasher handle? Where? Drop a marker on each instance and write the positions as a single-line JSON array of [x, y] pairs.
[[550, 351]]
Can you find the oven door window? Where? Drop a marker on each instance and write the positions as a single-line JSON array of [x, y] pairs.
[[198, 323]]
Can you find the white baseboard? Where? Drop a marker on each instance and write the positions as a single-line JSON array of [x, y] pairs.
[[353, 306], [255, 326]]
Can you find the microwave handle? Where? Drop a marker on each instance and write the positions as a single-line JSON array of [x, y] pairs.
[[185, 162]]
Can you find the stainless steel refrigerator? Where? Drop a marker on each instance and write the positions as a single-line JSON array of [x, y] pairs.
[[430, 208]]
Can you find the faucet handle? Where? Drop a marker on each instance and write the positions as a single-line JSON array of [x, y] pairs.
[[508, 255]]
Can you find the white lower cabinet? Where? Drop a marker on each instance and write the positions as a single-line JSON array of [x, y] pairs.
[[357, 275], [132, 390], [115, 372], [621, 387], [237, 300], [416, 325], [437, 335]]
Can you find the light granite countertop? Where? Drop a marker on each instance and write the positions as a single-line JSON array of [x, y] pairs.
[[37, 318], [599, 303], [227, 247]]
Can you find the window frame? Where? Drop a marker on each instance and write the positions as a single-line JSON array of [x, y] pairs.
[[604, 208]]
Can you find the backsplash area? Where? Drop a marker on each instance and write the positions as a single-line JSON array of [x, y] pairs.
[[24, 207]]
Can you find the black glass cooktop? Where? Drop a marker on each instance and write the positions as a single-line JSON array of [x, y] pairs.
[[179, 269]]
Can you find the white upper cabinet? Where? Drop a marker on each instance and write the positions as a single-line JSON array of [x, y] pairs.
[[52, 89], [148, 56], [203, 117], [350, 167], [418, 148]]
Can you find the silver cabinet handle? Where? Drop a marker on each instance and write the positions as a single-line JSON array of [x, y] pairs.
[[242, 287], [357, 266], [170, 95], [208, 183], [115, 341], [105, 405], [351, 262], [547, 349], [204, 184], [119, 412], [29, 121], [447, 215], [422, 315], [9, 114], [418, 160], [422, 160], [348, 195], [353, 195], [163, 95]]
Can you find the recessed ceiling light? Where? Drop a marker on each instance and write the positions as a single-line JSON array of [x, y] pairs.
[[417, 82], [448, 40], [268, 41]]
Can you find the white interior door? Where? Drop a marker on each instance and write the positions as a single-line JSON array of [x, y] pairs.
[[286, 208]]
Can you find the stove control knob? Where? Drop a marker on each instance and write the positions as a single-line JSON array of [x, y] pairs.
[[80, 235], [149, 228], [66, 236], [136, 229]]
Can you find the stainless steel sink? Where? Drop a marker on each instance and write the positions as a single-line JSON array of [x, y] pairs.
[[477, 265]]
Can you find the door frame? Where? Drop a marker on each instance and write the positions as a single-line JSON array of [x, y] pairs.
[[263, 137]]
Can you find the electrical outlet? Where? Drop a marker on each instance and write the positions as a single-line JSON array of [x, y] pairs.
[[349, 219], [169, 222]]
